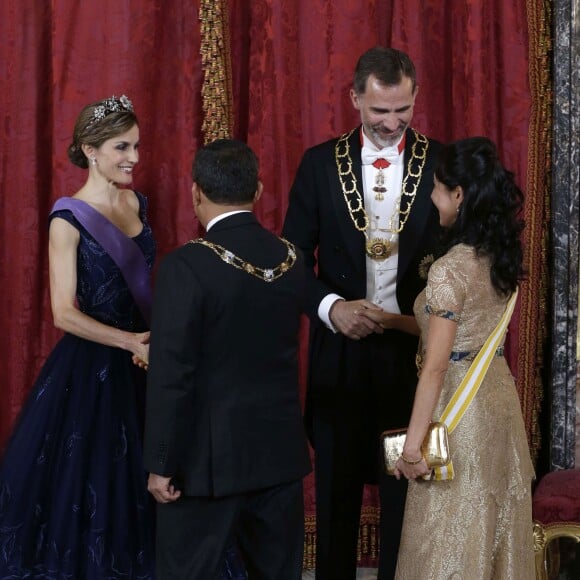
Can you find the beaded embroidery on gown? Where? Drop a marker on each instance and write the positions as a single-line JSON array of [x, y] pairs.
[[479, 525]]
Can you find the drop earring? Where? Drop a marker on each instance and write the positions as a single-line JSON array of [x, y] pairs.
[[93, 161]]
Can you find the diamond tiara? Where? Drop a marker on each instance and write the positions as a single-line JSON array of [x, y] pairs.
[[110, 105]]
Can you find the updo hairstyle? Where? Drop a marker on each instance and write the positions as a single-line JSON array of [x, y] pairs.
[[97, 123]]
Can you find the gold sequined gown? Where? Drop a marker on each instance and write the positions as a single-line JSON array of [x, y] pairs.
[[478, 526]]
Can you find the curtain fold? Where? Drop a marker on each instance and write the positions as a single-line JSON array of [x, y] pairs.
[[25, 175]]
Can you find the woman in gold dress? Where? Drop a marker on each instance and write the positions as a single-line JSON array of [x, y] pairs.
[[477, 526]]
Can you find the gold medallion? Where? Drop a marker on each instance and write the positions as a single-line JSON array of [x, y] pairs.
[[378, 248]]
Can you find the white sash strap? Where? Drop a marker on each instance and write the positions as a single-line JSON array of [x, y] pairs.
[[472, 381]]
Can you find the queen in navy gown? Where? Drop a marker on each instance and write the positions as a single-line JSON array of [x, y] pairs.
[[73, 499], [73, 496]]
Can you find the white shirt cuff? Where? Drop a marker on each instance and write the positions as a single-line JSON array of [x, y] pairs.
[[324, 309]]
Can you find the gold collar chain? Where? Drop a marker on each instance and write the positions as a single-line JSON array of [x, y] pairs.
[[265, 274], [353, 197]]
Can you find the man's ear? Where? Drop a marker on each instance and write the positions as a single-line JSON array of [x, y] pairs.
[[196, 194], [354, 99], [415, 92], [259, 191]]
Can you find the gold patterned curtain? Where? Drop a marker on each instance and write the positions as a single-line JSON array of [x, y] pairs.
[[533, 320], [216, 90]]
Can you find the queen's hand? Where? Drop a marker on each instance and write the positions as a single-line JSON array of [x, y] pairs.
[[140, 362]]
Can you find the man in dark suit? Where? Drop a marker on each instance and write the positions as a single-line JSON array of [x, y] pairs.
[[361, 212], [224, 438]]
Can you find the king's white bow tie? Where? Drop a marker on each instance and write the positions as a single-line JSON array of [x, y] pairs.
[[391, 154]]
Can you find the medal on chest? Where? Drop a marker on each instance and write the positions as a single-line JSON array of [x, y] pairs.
[[379, 187]]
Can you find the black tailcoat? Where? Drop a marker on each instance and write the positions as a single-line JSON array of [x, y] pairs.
[[319, 223]]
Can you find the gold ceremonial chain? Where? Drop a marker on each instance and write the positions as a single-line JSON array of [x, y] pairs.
[[378, 248], [265, 274]]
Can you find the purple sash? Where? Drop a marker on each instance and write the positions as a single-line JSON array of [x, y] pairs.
[[122, 250]]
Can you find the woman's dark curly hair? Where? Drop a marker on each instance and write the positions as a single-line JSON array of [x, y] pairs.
[[489, 216]]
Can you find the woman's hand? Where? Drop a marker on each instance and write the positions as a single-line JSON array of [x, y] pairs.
[[411, 470], [139, 347], [140, 363], [392, 321]]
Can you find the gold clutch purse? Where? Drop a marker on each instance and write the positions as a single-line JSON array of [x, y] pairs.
[[435, 446]]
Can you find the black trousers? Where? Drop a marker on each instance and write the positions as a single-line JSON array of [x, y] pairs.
[[371, 390], [267, 525]]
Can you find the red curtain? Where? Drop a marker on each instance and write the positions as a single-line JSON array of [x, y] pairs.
[[292, 63]]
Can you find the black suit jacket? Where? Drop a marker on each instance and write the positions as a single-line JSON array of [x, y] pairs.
[[223, 413]]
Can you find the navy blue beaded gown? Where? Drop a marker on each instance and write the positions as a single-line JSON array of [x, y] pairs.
[[73, 497]]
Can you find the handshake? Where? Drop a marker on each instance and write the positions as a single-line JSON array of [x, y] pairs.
[[139, 348], [359, 318]]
